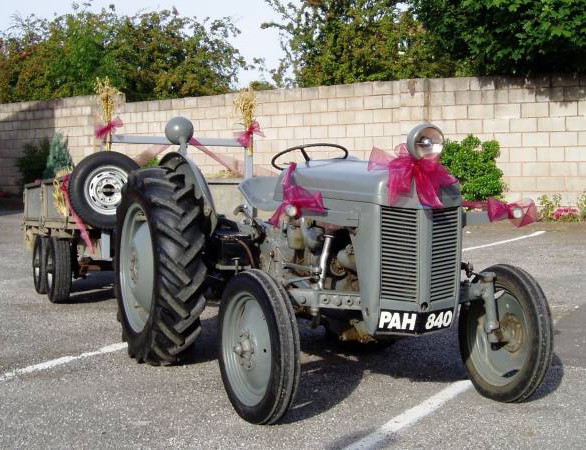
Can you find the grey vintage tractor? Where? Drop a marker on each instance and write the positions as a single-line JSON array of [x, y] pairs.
[[364, 269]]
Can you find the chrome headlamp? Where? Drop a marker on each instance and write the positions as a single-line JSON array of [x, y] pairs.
[[425, 140]]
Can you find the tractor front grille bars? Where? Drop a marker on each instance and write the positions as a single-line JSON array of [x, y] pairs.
[[419, 254]]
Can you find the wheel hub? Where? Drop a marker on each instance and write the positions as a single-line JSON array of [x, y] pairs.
[[512, 332], [104, 188], [133, 266], [244, 349]]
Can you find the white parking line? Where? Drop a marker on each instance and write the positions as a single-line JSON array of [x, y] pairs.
[[492, 244], [60, 361], [409, 417]]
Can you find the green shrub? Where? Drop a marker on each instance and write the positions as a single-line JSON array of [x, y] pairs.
[[473, 163], [33, 161], [581, 204], [548, 206], [150, 163]]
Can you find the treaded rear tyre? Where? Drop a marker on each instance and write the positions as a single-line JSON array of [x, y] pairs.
[[39, 264], [159, 269], [95, 187], [58, 266], [512, 370]]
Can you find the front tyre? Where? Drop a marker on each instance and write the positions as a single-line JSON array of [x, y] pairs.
[[513, 369], [160, 273], [258, 348]]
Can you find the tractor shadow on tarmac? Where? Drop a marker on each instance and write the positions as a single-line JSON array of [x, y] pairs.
[[96, 287]]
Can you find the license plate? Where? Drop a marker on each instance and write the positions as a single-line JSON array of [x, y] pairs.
[[414, 323]]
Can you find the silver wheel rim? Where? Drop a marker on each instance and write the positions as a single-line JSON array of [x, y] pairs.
[[103, 189], [136, 268], [246, 349], [500, 366]]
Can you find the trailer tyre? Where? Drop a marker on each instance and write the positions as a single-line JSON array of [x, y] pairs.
[[258, 348], [95, 187], [513, 369], [160, 273], [58, 266], [39, 264]]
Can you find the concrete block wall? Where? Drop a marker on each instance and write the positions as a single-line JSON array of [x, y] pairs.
[[540, 123], [29, 122]]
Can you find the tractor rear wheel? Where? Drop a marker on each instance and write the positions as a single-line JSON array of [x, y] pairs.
[[159, 269]]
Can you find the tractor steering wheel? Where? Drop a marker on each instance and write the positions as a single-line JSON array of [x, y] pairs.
[[302, 148]]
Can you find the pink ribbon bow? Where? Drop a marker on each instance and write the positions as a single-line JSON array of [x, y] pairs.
[[78, 222], [296, 196], [429, 174], [109, 128], [245, 136], [519, 213]]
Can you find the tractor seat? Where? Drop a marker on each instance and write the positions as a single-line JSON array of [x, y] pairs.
[[259, 192]]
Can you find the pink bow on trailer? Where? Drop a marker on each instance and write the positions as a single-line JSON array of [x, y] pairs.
[[519, 213], [109, 128], [429, 174], [296, 196], [78, 222], [245, 136]]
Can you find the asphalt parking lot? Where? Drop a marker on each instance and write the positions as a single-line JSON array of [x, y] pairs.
[[66, 382]]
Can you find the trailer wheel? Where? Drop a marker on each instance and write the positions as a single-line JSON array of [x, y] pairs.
[[95, 187], [513, 369], [258, 348], [159, 269], [58, 266], [39, 264]]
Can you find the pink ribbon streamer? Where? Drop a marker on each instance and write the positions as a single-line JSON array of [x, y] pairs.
[[78, 222], [296, 196], [429, 174], [109, 128], [498, 210], [244, 137]]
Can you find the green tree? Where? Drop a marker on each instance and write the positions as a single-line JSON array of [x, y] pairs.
[[59, 157], [345, 41], [518, 37], [153, 55], [163, 55]]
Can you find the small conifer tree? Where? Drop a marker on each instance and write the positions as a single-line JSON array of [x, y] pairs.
[[59, 157]]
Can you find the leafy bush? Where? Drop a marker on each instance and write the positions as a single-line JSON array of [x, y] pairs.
[[549, 206], [581, 204], [474, 165], [34, 160], [150, 163]]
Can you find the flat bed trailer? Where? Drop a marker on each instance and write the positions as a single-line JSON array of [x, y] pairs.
[[59, 252]]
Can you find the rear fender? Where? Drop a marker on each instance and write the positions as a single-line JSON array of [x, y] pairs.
[[184, 165]]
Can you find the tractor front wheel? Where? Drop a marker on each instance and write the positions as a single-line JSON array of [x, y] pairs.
[[259, 347], [512, 369]]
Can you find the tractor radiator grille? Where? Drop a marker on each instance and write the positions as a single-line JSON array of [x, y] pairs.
[[403, 259], [399, 254], [444, 253]]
